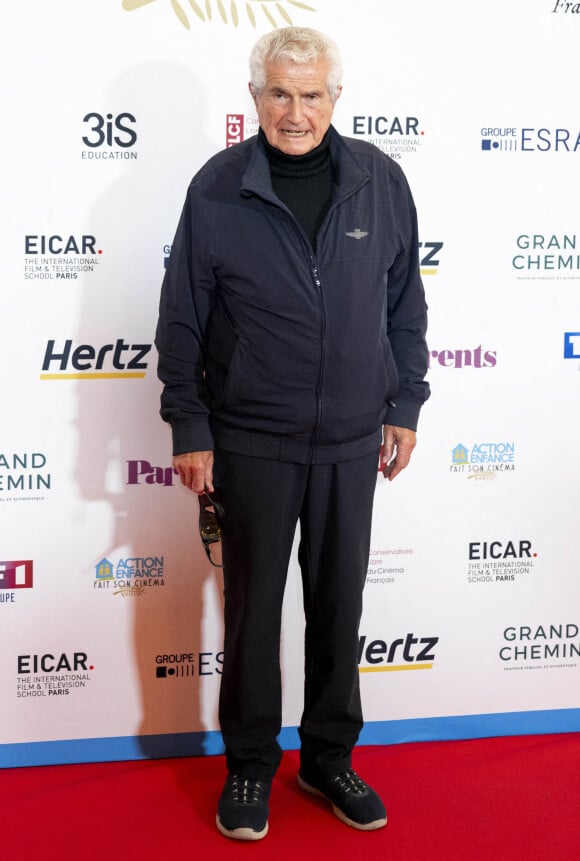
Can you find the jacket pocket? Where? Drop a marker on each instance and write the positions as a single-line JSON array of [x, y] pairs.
[[231, 389], [391, 372]]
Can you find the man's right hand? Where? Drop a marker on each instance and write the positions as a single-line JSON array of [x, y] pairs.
[[195, 470]]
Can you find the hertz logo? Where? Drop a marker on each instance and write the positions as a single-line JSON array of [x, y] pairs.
[[205, 10], [410, 653], [111, 361]]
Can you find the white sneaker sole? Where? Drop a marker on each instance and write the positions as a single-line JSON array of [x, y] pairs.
[[241, 833], [368, 826]]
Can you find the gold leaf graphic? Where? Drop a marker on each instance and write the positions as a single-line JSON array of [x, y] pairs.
[[197, 10], [301, 5], [269, 7], [251, 15], [268, 16], [283, 13], [180, 13], [130, 5]]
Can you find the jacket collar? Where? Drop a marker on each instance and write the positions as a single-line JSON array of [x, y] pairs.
[[349, 174]]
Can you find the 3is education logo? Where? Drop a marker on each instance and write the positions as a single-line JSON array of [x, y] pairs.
[[109, 136]]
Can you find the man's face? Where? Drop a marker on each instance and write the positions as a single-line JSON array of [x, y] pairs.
[[295, 108]]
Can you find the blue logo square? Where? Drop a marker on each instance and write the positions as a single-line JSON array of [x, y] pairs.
[[572, 345]]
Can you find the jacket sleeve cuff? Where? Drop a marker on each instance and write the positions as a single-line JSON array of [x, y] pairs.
[[191, 436], [402, 413]]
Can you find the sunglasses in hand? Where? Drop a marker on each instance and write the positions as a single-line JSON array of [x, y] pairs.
[[210, 513]]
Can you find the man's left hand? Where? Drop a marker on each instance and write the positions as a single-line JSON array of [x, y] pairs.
[[398, 445]]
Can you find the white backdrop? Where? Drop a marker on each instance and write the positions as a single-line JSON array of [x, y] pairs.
[[109, 612]]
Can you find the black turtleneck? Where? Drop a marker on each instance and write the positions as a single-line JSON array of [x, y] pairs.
[[303, 182]]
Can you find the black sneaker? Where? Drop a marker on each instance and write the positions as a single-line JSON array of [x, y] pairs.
[[353, 801], [243, 808]]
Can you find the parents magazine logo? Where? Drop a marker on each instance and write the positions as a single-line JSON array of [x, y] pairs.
[[276, 12]]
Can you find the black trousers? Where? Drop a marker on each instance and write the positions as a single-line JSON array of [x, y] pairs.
[[263, 501]]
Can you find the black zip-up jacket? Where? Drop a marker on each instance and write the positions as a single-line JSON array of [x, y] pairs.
[[270, 348]]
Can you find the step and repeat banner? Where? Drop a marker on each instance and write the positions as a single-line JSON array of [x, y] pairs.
[[110, 614]]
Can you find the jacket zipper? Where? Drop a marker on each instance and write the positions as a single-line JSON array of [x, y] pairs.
[[318, 286]]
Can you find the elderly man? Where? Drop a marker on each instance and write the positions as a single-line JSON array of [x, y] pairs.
[[291, 343]]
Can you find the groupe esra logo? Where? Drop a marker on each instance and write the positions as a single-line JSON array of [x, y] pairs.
[[495, 138], [182, 664]]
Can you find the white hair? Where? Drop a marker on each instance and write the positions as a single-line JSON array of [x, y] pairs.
[[298, 45]]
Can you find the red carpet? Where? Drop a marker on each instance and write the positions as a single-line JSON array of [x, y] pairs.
[[503, 799]]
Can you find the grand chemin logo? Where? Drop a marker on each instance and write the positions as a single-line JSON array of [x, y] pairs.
[[210, 10]]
